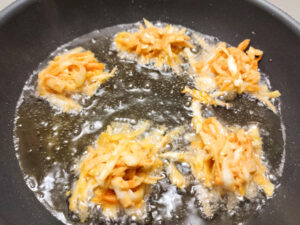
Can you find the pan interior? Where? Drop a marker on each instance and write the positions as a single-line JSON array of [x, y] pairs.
[[49, 143]]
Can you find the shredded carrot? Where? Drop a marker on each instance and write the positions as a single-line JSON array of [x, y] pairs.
[[235, 69], [75, 72], [117, 172], [151, 43]]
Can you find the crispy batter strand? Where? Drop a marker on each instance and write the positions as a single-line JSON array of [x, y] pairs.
[[204, 97]]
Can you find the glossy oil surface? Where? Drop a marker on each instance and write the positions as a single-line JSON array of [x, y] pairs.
[[49, 143]]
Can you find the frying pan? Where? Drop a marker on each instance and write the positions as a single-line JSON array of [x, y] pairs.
[[30, 30]]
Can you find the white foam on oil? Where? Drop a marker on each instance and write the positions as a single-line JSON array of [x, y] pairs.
[[170, 200]]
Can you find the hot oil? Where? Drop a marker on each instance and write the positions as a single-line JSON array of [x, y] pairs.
[[49, 143]]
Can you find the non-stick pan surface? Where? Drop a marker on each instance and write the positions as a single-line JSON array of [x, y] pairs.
[[31, 30]]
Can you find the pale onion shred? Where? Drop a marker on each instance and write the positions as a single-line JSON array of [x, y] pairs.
[[176, 177], [161, 45], [234, 69], [227, 158], [75, 72], [117, 171]]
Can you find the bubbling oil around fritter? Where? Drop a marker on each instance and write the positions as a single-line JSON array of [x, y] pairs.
[[49, 143]]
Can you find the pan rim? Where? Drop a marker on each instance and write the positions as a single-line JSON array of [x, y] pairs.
[[18, 5]]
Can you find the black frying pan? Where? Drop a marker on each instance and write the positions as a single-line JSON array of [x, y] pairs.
[[30, 30]]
